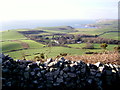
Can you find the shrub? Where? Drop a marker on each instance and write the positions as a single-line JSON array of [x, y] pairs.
[[37, 58], [63, 54], [103, 45], [42, 55], [117, 49]]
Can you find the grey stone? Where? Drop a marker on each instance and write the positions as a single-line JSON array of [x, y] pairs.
[[50, 78], [78, 72], [71, 74], [5, 70], [26, 75], [90, 81], [56, 84], [83, 70], [49, 60], [92, 73], [51, 64], [111, 66], [43, 71], [65, 75], [101, 69], [39, 74], [108, 80], [98, 64], [40, 86], [66, 69], [61, 72], [9, 84], [27, 68], [32, 73], [48, 74], [72, 69], [51, 69], [98, 75], [78, 81], [41, 67], [38, 63], [35, 82], [108, 72], [61, 59], [56, 72], [59, 80]]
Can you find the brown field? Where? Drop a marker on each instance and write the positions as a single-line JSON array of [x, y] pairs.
[[110, 57]]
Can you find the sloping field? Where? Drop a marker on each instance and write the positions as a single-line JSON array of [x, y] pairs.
[[96, 46], [11, 35], [8, 45], [19, 44], [33, 44], [111, 35], [49, 51]]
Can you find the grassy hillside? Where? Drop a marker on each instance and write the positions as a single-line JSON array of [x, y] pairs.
[[11, 35], [54, 51], [35, 47], [111, 35], [57, 29], [96, 46], [49, 51], [8, 45], [101, 27], [33, 44]]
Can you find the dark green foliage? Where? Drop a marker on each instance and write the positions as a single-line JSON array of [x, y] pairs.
[[103, 45], [42, 55], [117, 49]]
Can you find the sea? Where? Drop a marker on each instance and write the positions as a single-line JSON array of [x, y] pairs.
[[31, 24]]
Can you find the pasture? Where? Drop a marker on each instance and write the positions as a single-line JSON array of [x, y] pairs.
[[11, 35], [13, 40]]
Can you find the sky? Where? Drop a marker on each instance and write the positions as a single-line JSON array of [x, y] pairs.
[[57, 9]]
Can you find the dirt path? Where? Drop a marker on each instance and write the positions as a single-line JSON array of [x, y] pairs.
[[24, 45]]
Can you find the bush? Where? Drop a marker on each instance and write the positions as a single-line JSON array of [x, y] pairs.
[[103, 45], [117, 49]]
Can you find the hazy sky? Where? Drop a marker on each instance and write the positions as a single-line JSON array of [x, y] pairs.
[[58, 9]]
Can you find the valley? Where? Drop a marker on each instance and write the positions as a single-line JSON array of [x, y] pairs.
[[60, 39]]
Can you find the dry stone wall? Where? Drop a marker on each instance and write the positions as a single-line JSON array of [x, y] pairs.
[[58, 74]]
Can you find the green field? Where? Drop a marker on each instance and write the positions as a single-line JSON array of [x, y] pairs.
[[33, 44], [103, 26], [54, 51], [35, 47], [11, 35], [96, 46], [8, 45], [49, 51], [15, 45], [111, 35]]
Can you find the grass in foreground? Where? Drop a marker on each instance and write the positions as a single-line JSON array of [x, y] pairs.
[[49, 51]]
